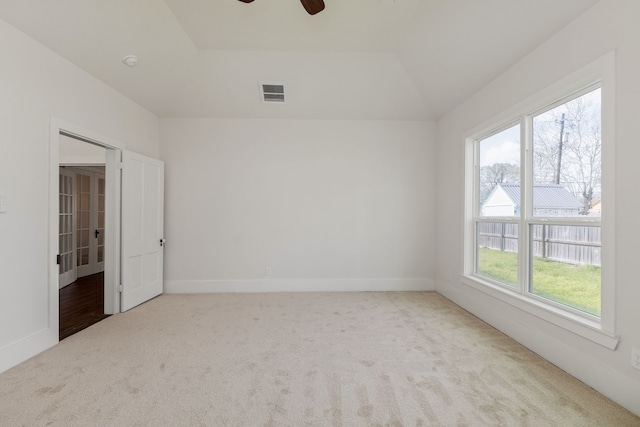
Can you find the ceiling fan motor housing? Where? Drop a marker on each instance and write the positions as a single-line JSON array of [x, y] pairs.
[[311, 6]]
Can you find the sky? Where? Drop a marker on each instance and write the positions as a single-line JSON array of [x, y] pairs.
[[503, 147]]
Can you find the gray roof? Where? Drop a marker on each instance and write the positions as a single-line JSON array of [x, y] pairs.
[[544, 196]]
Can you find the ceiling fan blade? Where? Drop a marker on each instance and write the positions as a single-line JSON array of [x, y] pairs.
[[246, 1], [312, 6]]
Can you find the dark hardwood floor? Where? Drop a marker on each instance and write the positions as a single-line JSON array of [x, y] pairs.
[[81, 304]]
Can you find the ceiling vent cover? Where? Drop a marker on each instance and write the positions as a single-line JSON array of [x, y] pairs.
[[272, 92]]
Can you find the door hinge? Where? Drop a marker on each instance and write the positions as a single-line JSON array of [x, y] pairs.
[[120, 165], [58, 259], [120, 288]]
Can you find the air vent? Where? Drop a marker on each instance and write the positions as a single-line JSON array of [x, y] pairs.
[[272, 92]]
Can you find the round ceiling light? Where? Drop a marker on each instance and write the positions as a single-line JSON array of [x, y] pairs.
[[130, 60]]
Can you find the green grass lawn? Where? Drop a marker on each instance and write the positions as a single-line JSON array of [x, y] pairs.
[[574, 285]]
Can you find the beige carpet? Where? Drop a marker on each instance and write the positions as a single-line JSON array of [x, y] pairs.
[[335, 359]]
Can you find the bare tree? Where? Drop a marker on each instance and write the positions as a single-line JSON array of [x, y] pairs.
[[573, 131], [584, 150]]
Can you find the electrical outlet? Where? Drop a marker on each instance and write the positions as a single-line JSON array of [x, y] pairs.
[[267, 271], [635, 358]]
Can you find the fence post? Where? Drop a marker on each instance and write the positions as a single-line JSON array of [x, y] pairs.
[[544, 241], [502, 237]]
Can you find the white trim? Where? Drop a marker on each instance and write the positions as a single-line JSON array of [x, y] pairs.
[[608, 82], [83, 161], [51, 334], [113, 180], [297, 285], [85, 134], [579, 325], [18, 351], [601, 331], [112, 213]]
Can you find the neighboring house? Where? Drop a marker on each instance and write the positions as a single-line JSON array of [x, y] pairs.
[[596, 207], [548, 200]]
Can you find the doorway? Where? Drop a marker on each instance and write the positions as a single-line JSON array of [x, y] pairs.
[[82, 205], [133, 246], [81, 304]]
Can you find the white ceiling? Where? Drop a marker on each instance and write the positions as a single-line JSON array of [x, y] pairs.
[[358, 59], [284, 25]]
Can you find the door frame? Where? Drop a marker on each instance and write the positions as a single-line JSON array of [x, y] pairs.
[[112, 215]]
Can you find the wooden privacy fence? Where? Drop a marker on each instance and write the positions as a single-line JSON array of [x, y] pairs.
[[564, 243]]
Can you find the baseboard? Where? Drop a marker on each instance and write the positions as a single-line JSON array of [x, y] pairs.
[[296, 285], [528, 331], [25, 348]]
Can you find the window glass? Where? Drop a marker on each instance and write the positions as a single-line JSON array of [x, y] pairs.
[[497, 251], [500, 173], [567, 147], [565, 265]]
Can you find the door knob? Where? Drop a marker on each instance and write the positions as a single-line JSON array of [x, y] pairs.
[[97, 232]]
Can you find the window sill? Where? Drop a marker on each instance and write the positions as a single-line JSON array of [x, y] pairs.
[[578, 325]]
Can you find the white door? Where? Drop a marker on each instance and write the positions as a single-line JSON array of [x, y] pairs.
[[67, 266], [90, 208], [142, 229]]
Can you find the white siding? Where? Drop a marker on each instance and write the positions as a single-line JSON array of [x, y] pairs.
[[498, 204]]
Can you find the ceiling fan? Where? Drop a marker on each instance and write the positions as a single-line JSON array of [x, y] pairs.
[[311, 6]]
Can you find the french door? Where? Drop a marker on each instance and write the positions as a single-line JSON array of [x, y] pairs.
[[89, 213], [67, 270]]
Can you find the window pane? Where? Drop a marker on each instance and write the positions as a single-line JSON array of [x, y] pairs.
[[567, 158], [500, 173], [84, 220], [86, 181], [565, 265], [84, 202], [497, 249], [84, 257]]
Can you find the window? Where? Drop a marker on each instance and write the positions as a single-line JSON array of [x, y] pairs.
[[562, 243], [533, 229]]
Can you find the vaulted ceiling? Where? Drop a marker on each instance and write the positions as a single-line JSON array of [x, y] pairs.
[[358, 59]]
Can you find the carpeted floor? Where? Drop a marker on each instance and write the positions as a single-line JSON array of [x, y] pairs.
[[334, 359]]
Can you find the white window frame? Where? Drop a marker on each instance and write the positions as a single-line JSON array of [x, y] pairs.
[[600, 73]]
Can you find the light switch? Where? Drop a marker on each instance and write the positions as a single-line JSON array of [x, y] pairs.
[[3, 204]]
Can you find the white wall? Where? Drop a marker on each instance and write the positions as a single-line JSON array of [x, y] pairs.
[[36, 85], [328, 205], [73, 151], [610, 24]]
